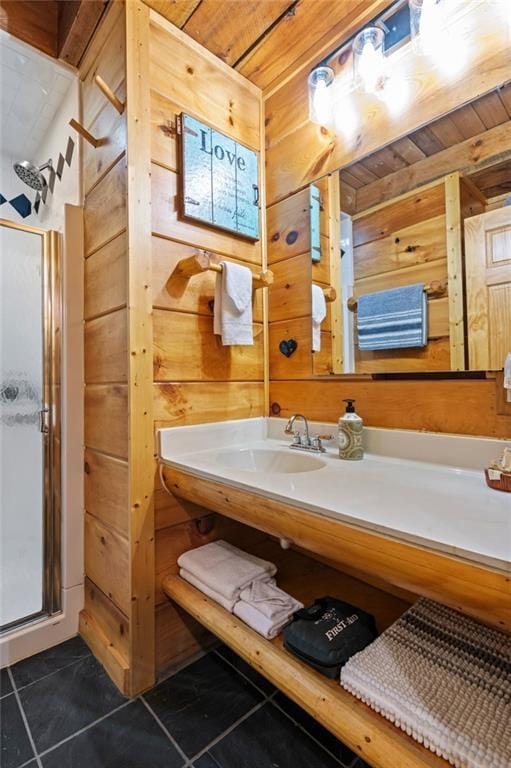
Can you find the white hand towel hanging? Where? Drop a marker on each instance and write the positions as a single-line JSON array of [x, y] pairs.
[[318, 315], [233, 305], [507, 377]]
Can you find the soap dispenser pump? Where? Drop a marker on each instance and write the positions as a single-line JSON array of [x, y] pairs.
[[350, 433]]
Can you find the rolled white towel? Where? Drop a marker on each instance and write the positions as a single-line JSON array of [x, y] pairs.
[[225, 568], [269, 600], [216, 596], [258, 621]]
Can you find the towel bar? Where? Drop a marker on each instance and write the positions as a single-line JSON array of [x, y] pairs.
[[435, 290], [203, 261]]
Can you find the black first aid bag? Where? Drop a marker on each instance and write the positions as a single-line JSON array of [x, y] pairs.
[[326, 633]]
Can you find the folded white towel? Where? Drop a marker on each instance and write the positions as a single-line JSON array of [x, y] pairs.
[[216, 596], [269, 600], [507, 377], [318, 315], [258, 621], [232, 319], [225, 568]]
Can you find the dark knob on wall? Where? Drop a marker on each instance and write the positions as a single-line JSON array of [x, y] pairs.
[[288, 346]]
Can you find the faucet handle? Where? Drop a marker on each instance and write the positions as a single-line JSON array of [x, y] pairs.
[[297, 438], [325, 437]]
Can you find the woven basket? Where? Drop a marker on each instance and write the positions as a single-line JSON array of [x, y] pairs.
[[504, 484]]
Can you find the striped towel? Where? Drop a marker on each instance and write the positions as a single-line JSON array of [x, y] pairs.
[[393, 319], [445, 680]]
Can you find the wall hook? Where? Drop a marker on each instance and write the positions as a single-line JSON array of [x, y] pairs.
[[109, 94], [84, 133]]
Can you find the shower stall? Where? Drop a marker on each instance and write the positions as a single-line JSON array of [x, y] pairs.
[[30, 452]]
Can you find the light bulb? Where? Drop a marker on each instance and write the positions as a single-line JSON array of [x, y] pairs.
[[320, 95], [368, 59]]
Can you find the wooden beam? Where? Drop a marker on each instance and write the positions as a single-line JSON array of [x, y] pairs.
[[33, 21], [468, 157], [77, 23], [140, 345]]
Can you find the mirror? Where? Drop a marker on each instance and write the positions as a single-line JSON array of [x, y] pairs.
[[424, 281]]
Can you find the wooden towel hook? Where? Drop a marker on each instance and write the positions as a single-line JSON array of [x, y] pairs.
[[436, 289], [109, 94], [330, 293], [84, 133]]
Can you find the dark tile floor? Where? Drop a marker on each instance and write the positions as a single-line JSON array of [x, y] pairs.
[[60, 710]]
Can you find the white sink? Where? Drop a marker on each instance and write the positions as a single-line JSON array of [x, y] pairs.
[[262, 460]]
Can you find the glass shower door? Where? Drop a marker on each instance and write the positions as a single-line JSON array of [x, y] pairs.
[[25, 423]]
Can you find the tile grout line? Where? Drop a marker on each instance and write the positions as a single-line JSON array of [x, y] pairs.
[[270, 697], [24, 717], [71, 663], [242, 674], [228, 730], [85, 728], [166, 732], [313, 738]]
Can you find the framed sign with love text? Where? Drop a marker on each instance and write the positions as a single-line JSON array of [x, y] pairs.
[[220, 179]]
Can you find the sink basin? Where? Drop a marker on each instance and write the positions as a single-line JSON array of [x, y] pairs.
[[262, 460]]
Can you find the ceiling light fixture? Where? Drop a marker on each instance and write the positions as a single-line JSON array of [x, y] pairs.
[[369, 60]]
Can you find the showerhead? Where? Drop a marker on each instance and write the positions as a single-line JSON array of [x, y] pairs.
[[32, 174]]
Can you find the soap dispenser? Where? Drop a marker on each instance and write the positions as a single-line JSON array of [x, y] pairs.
[[350, 433]]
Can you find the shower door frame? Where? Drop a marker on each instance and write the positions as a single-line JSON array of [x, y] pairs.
[[50, 421]]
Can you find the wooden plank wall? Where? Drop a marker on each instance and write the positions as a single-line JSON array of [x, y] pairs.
[[290, 303], [196, 379], [105, 621]]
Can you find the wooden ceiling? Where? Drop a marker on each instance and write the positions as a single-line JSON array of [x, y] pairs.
[[454, 142], [60, 28], [266, 40]]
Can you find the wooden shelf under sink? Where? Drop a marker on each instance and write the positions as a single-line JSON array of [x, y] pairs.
[[368, 734]]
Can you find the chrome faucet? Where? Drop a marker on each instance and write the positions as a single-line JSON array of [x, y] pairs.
[[304, 442]]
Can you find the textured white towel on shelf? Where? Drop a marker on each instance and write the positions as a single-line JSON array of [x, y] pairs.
[[225, 568], [271, 601], [232, 318], [216, 596], [258, 621], [318, 315], [445, 680]]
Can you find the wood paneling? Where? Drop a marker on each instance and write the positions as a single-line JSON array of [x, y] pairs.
[[106, 489], [435, 356], [414, 245], [200, 83], [110, 195], [176, 11], [107, 562], [106, 349], [106, 280], [460, 407], [290, 294], [186, 349], [228, 29], [166, 222], [77, 21], [476, 152], [288, 227], [178, 636], [425, 204], [110, 127], [112, 621], [178, 404], [197, 294], [106, 58], [106, 418], [299, 365]]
